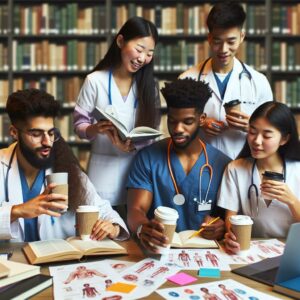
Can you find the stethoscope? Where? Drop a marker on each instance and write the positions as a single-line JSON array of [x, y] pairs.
[[253, 195], [244, 71], [110, 108], [179, 198]]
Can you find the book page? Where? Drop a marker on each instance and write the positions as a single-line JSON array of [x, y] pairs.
[[144, 130], [176, 240], [51, 247], [84, 246], [100, 114], [199, 241]]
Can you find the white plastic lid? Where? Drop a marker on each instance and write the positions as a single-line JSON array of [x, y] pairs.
[[166, 213], [241, 220], [87, 208]]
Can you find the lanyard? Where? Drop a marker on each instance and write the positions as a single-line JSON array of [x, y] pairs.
[[206, 165], [109, 91]]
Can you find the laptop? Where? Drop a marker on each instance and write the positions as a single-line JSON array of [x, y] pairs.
[[279, 268]]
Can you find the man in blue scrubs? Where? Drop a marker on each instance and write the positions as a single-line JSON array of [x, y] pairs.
[[150, 182]]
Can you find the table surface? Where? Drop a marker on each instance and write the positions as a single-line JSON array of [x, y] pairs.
[[135, 254]]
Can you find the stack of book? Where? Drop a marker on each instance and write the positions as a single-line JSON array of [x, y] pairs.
[[21, 281]]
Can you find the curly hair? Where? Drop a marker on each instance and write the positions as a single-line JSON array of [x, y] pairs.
[[186, 93]]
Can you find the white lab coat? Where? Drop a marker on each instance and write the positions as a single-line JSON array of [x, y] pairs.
[[63, 226], [273, 221], [251, 93], [108, 166]]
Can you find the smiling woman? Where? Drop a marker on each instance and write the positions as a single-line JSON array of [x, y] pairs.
[[121, 82]]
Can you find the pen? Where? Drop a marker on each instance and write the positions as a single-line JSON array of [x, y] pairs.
[[201, 229]]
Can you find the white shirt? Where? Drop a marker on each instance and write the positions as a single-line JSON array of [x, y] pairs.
[[63, 226], [272, 221], [108, 167], [252, 93]]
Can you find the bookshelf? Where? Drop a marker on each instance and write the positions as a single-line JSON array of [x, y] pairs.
[[53, 45]]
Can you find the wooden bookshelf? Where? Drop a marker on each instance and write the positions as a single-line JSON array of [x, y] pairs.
[[54, 44]]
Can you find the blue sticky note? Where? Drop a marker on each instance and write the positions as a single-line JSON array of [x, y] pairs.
[[209, 272]]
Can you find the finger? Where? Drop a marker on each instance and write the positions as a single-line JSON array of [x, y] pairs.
[[149, 245]]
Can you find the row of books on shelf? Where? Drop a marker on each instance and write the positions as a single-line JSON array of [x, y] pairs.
[[288, 92], [49, 56], [285, 56], [78, 18], [285, 19], [67, 18], [183, 18], [181, 55], [64, 89]]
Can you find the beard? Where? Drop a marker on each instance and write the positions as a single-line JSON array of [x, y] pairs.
[[31, 155], [189, 140]]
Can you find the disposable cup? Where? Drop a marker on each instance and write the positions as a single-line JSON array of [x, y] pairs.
[[168, 217], [62, 187], [241, 226], [86, 217]]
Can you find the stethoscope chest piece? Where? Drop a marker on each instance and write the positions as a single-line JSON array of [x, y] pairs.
[[179, 199]]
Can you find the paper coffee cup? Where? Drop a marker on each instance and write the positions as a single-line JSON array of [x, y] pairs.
[[62, 187], [241, 226], [167, 216], [86, 217], [269, 175], [232, 105]]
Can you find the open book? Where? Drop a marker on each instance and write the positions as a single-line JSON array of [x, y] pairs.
[[137, 134], [17, 272], [181, 240], [70, 249]]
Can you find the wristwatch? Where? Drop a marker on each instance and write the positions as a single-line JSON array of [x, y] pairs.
[[138, 231]]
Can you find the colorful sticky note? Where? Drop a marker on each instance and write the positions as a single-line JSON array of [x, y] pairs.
[[121, 287], [209, 272], [182, 278]]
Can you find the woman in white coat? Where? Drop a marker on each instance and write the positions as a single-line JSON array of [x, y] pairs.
[[272, 145], [122, 82]]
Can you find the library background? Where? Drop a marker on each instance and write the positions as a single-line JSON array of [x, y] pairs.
[[53, 45]]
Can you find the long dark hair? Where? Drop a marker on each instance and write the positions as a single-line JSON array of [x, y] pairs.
[[65, 161], [147, 89], [281, 117]]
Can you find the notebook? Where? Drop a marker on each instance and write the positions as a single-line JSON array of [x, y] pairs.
[[279, 268]]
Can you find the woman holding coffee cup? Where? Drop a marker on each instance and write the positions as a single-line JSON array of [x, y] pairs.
[[263, 182]]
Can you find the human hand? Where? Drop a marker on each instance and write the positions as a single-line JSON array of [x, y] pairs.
[[214, 231], [213, 127], [103, 229], [231, 246], [238, 120], [44, 203], [101, 127], [152, 236], [125, 146], [278, 190]]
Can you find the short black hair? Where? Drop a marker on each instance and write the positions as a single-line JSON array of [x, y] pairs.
[[28, 103], [227, 14], [186, 93]]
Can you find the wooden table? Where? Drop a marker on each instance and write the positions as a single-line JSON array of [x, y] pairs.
[[135, 255]]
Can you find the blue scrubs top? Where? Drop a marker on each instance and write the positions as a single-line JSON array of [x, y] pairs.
[[31, 228], [150, 172]]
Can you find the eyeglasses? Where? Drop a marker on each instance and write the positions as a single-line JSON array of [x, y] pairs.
[[37, 135]]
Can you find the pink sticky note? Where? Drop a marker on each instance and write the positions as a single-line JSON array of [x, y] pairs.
[[182, 278]]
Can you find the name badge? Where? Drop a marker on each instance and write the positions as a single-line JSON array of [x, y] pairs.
[[203, 207]]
